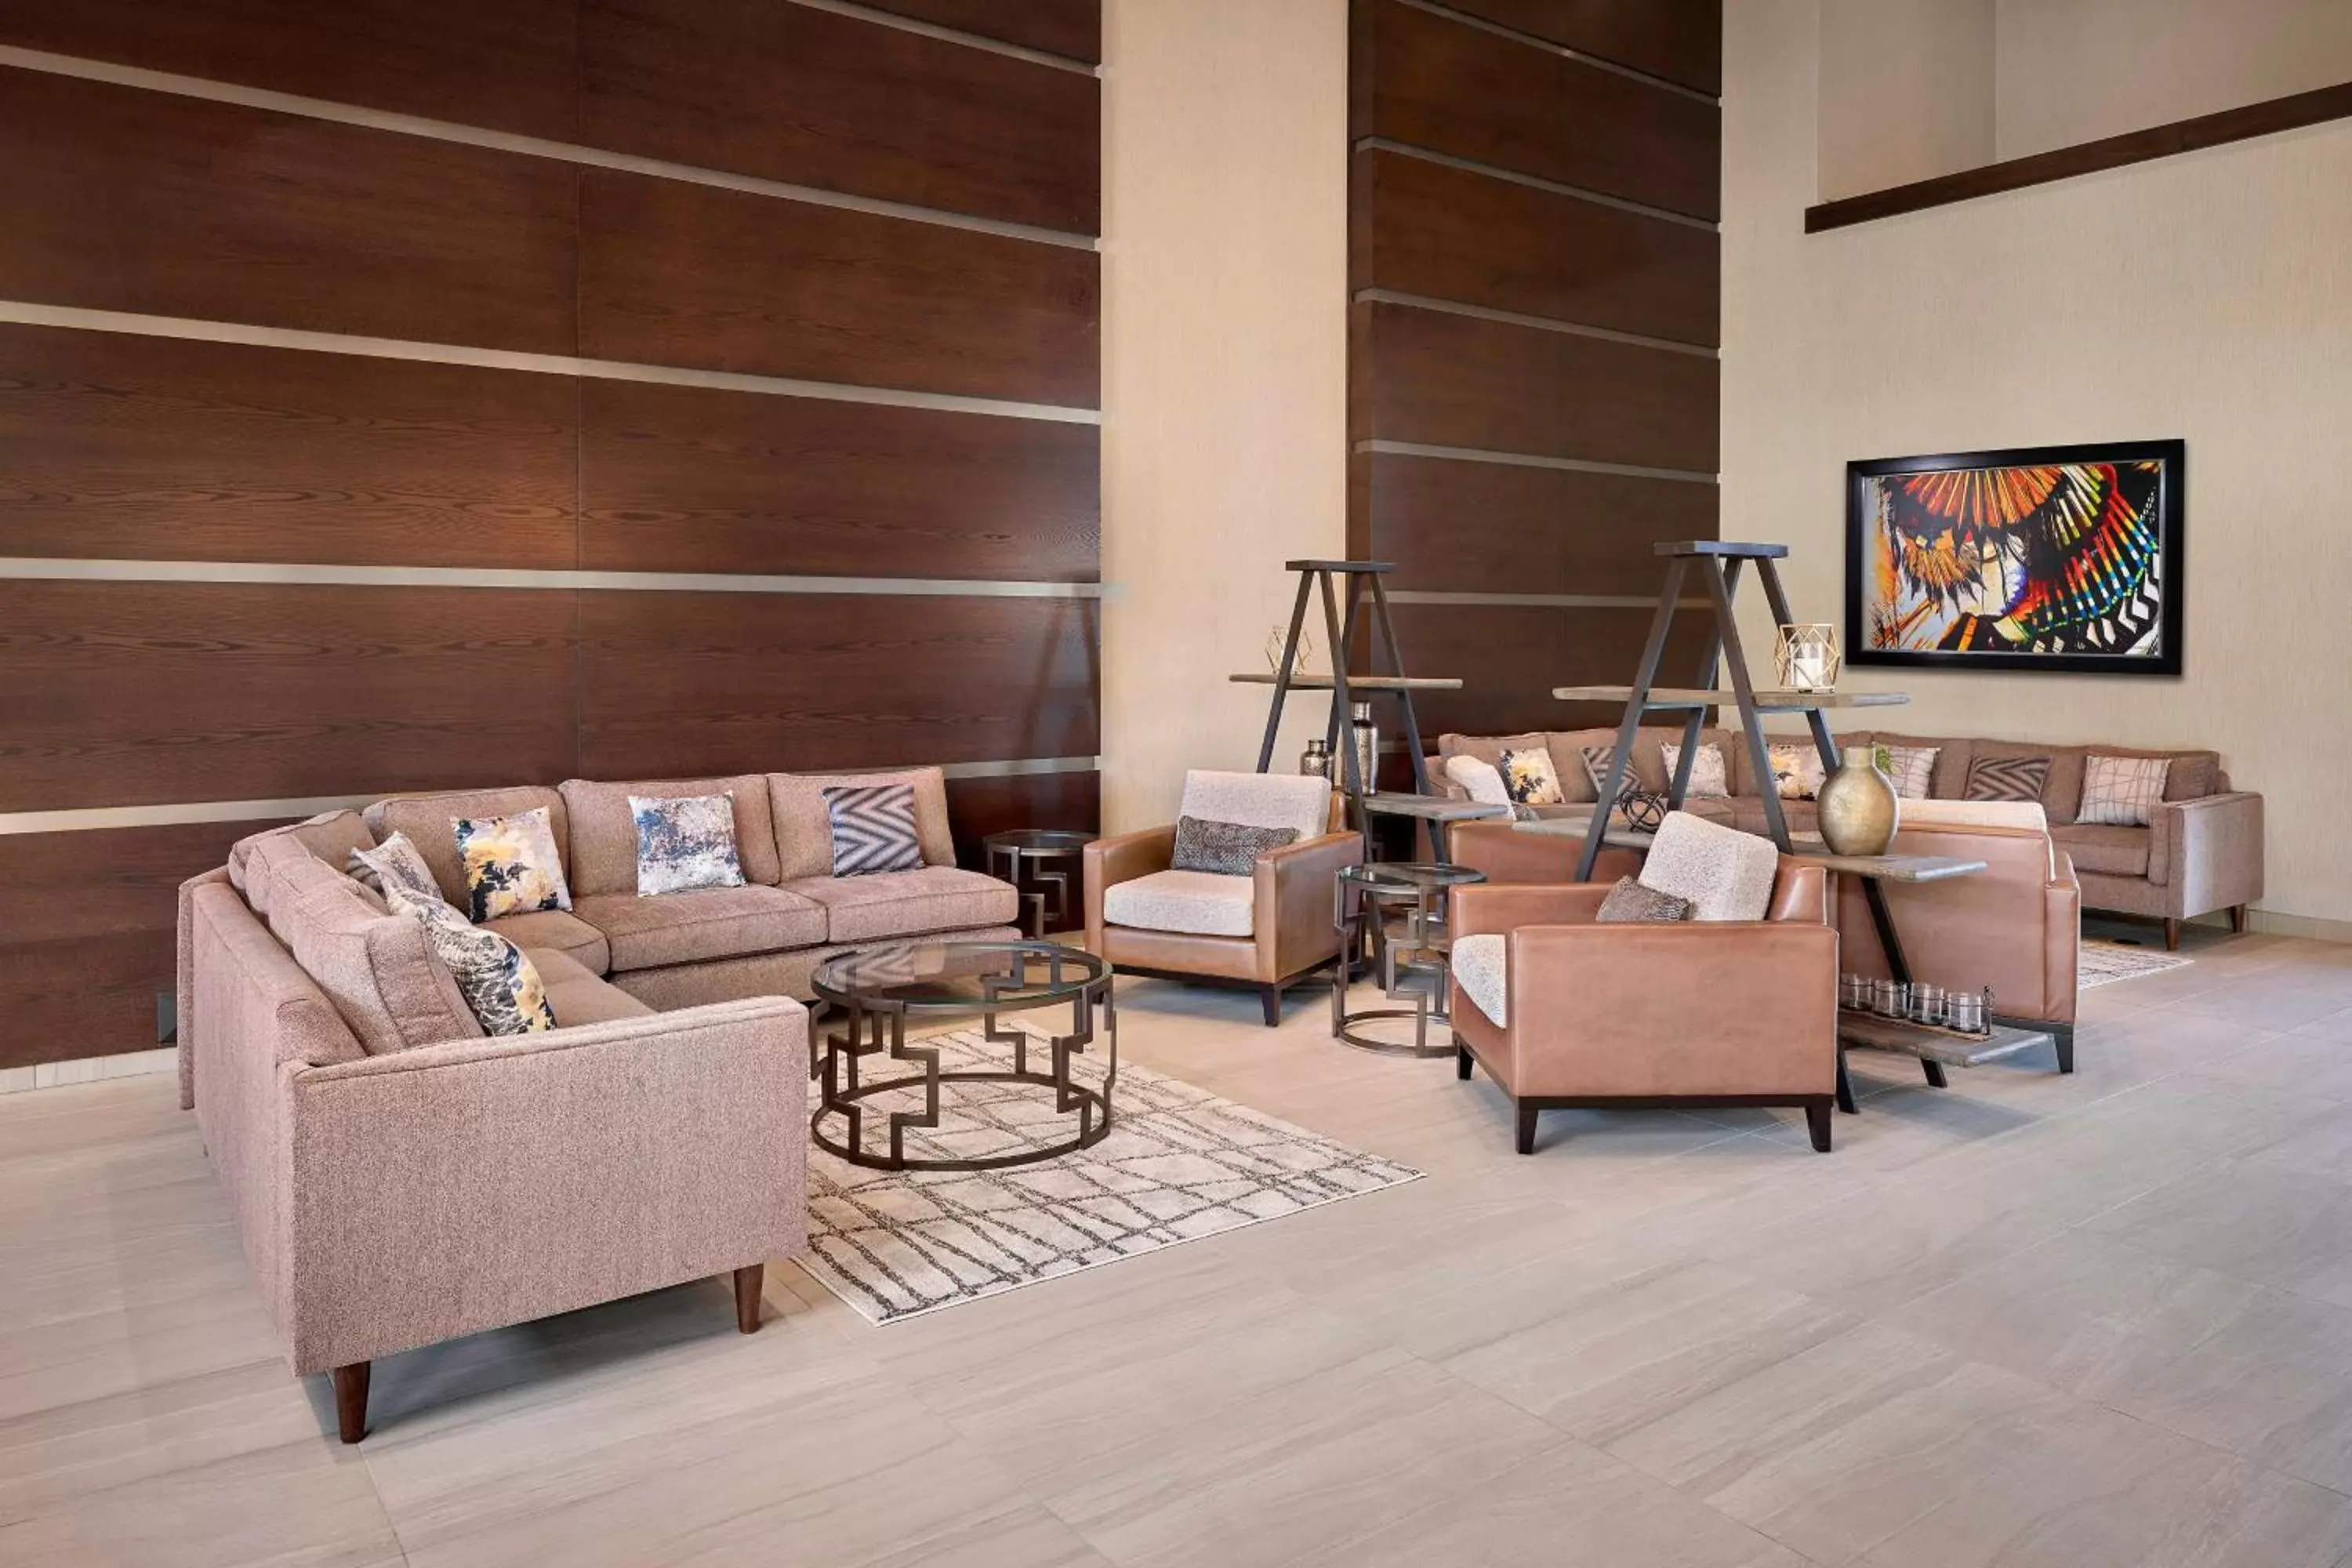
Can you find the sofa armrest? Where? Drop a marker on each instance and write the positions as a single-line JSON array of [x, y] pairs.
[[1121, 857], [465, 1187], [1712, 1007], [2207, 852], [2061, 938], [1294, 901]]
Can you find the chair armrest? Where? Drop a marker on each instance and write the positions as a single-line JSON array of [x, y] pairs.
[[1293, 890], [2208, 851], [1485, 907], [2061, 938], [1120, 858], [464, 1186], [1713, 1007]]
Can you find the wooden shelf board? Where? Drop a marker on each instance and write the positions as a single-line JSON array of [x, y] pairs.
[[1887, 867], [1578, 827], [1868, 1031], [1689, 697], [1431, 807], [1358, 682]]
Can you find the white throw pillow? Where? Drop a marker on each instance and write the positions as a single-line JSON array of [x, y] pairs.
[[2122, 791], [1478, 969], [1725, 874], [1911, 768], [1708, 781], [1480, 779]]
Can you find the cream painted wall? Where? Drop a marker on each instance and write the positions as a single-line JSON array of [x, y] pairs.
[[2207, 297], [1225, 370], [1907, 91]]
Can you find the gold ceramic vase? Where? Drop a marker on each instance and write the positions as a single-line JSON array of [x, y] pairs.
[[1858, 809]]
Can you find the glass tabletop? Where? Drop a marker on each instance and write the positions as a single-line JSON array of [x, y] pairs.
[[1405, 876], [958, 975], [1039, 838]]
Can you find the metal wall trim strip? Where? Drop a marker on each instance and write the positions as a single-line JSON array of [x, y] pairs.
[[1531, 460], [1541, 323], [82, 570], [1536, 181], [1599, 62]]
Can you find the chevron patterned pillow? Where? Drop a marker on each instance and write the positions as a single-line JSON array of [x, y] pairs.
[[873, 829], [2007, 778]]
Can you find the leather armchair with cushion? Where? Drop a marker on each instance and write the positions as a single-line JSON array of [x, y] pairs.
[[1263, 931], [1691, 1012]]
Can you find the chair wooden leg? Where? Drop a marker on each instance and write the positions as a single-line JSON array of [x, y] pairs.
[[1818, 1122], [2238, 919], [1527, 1125], [2171, 936], [1463, 1061], [351, 1401], [2063, 1034], [747, 1297], [1271, 996]]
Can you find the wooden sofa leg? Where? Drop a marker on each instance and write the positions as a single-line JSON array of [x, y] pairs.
[[1527, 1129], [747, 1297], [2238, 919], [1818, 1122], [1463, 1061], [1271, 996], [2064, 1035], [2171, 935], [351, 1401]]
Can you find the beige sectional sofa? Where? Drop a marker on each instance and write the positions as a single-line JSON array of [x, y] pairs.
[[2201, 852], [399, 1178]]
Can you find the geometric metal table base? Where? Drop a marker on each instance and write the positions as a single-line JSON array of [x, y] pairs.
[[1044, 895], [1412, 962]]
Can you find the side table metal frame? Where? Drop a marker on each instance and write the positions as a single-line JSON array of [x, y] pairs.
[[1422, 937], [1033, 893]]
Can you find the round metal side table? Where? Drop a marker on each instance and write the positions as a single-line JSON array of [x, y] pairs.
[[1034, 848], [1410, 953]]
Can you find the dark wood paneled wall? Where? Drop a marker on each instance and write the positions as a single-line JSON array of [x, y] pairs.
[[1532, 377], [955, 264]]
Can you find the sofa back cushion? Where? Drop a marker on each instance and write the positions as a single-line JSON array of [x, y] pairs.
[[330, 837], [603, 843], [1300, 802], [805, 827], [374, 966], [431, 823], [1568, 746]]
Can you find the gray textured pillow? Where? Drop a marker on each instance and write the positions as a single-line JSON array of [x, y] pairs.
[[1630, 903], [394, 861], [1226, 848]]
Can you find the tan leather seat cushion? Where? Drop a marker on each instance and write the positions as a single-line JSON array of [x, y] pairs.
[[710, 922], [2112, 851], [908, 903], [602, 855], [1196, 903], [576, 996], [556, 931], [430, 821]]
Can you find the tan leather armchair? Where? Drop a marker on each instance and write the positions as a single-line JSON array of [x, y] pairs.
[[1506, 855], [1627, 1016], [2016, 926], [1264, 933]]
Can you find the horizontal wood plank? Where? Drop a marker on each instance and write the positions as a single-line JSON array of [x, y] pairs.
[[691, 275], [126, 200], [687, 684], [1437, 82], [136, 693], [1438, 379], [979, 807], [1493, 528], [1680, 40], [1455, 234], [1505, 654], [694, 480], [1071, 29], [124, 447], [506, 65], [816, 98]]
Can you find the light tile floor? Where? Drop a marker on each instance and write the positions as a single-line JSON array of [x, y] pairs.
[[2100, 1319]]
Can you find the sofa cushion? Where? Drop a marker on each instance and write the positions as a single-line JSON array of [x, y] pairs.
[[330, 837], [1301, 802], [1725, 874], [575, 996], [377, 968], [710, 922], [2114, 851], [431, 823], [603, 841], [1197, 903], [908, 903], [804, 828], [1479, 966], [558, 931]]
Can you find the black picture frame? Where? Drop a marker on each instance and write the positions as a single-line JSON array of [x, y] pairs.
[[2170, 508]]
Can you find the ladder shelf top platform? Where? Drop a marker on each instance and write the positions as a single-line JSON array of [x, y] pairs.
[[1356, 682], [1664, 699]]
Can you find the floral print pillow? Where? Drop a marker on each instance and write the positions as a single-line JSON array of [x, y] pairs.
[[512, 867], [498, 979], [685, 843]]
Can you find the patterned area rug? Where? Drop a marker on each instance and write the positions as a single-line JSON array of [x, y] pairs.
[[1180, 1163], [2102, 962]]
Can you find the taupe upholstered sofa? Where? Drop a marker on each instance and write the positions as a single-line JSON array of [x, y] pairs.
[[400, 1178], [2201, 852]]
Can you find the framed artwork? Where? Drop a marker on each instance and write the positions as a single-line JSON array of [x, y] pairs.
[[2063, 558]]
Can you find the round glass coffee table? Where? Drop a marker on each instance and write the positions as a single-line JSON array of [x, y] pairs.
[[1411, 953], [876, 990]]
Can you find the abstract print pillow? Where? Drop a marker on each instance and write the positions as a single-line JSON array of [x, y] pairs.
[[1797, 770], [497, 978], [1530, 778], [873, 829], [685, 843], [512, 867], [394, 863]]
